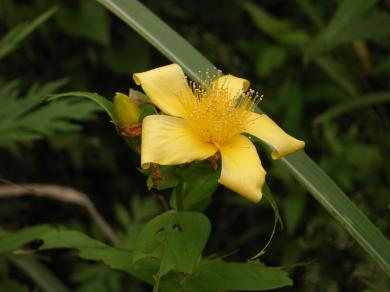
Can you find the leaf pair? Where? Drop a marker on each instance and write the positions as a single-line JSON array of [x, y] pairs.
[[170, 246]]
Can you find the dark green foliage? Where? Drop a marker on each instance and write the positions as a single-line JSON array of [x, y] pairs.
[[317, 83], [32, 118], [12, 39], [176, 239]]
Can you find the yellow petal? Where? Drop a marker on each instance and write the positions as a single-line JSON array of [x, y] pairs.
[[233, 85], [262, 127], [168, 140], [242, 171], [165, 86]]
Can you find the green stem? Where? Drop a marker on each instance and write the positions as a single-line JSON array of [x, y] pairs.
[[156, 285], [179, 197]]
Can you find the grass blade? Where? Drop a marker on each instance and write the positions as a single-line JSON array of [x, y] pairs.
[[351, 105], [334, 200], [40, 274], [178, 50], [12, 39]]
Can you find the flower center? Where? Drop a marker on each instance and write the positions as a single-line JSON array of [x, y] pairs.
[[216, 113]]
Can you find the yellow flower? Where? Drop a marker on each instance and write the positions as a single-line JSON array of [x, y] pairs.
[[200, 120]]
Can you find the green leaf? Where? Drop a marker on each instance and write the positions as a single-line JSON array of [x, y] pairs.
[[13, 38], [347, 11], [199, 181], [104, 103], [312, 12], [90, 21], [29, 119], [373, 26], [328, 194], [275, 28], [270, 58], [221, 276], [352, 21], [176, 239], [353, 104], [169, 177], [283, 33], [336, 72], [89, 249], [11, 242]]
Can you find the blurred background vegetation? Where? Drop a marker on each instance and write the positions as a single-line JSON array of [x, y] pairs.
[[324, 70]]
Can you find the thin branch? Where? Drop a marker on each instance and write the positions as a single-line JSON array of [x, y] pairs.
[[59, 193]]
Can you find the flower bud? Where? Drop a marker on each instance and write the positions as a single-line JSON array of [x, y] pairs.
[[126, 110]]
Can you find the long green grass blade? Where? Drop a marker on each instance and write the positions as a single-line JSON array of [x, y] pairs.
[[351, 105], [11, 40], [39, 273], [178, 50], [334, 200]]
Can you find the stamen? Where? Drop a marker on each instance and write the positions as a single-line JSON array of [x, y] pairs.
[[216, 113]]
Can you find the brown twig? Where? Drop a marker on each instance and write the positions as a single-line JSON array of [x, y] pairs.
[[59, 193]]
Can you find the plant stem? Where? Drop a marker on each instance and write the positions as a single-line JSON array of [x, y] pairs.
[[179, 197]]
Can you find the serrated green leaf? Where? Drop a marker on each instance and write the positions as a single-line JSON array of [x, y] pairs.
[[104, 103], [29, 118], [176, 239]]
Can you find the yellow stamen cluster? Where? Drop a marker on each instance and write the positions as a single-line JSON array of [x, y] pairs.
[[216, 113]]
